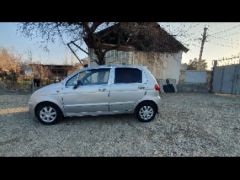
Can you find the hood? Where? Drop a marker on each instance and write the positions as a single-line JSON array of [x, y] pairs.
[[49, 89]]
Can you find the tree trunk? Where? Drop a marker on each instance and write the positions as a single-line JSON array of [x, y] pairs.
[[101, 60], [100, 57]]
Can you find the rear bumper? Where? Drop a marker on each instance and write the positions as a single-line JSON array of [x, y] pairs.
[[157, 101]]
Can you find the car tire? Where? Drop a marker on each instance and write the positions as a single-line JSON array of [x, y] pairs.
[[48, 113], [146, 111]]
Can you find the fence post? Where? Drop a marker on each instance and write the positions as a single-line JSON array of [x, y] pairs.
[[234, 83], [214, 63], [212, 75]]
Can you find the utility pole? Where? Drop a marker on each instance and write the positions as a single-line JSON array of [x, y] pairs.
[[204, 36]]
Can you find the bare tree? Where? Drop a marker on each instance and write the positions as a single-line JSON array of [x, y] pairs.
[[9, 62], [125, 33], [197, 65], [75, 31]]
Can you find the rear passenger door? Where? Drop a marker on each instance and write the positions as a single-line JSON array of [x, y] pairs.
[[126, 89]]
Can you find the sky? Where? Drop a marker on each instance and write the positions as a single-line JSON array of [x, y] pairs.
[[223, 40], [13, 39]]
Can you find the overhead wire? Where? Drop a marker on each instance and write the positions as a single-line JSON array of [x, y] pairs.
[[225, 30]]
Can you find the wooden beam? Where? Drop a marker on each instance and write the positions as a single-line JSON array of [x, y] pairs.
[[74, 53]]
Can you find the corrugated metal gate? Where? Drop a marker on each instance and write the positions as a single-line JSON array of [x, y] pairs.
[[226, 79]]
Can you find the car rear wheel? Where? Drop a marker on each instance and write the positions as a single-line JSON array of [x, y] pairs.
[[146, 112], [48, 113]]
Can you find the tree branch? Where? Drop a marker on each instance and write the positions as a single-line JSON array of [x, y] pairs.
[[95, 26]]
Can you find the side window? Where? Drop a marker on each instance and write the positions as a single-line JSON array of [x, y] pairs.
[[128, 75], [76, 77], [70, 82], [96, 76], [81, 74]]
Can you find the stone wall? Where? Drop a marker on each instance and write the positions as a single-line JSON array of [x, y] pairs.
[[162, 65]]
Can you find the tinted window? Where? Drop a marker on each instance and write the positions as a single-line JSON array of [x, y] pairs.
[[128, 75]]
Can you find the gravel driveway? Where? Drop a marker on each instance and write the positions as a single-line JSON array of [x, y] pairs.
[[187, 125]]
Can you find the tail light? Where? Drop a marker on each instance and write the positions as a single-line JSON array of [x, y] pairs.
[[157, 87]]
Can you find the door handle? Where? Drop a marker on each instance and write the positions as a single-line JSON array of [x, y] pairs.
[[102, 89], [141, 87]]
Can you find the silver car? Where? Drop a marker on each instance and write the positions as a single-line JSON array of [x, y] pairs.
[[108, 89]]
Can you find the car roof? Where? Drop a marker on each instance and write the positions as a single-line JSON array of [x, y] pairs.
[[114, 66], [106, 66]]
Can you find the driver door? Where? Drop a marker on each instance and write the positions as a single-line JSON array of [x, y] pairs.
[[91, 96]]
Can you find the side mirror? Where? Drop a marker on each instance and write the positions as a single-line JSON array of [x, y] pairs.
[[76, 84]]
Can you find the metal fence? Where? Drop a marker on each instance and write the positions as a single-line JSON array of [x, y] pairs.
[[226, 78]]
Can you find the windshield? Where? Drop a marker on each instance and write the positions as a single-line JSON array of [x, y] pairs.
[[72, 74]]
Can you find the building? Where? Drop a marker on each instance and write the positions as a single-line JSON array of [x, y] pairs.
[[162, 53], [50, 72]]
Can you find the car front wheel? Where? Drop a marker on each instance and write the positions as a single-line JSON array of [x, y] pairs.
[[48, 113]]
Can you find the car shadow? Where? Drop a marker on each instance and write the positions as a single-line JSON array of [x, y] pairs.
[[104, 118]]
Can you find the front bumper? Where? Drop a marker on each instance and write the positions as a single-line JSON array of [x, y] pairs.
[[31, 108]]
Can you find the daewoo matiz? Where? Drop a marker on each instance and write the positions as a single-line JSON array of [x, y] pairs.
[[108, 89]]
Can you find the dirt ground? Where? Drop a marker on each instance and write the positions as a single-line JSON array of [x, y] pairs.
[[190, 124]]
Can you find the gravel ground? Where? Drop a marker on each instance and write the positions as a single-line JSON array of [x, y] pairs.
[[188, 125]]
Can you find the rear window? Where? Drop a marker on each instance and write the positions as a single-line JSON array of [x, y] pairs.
[[128, 75]]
